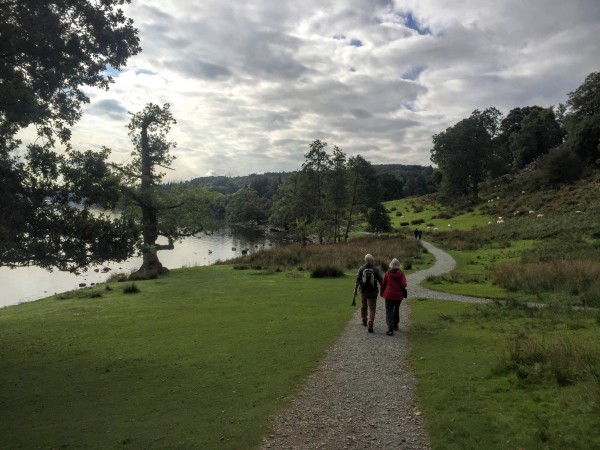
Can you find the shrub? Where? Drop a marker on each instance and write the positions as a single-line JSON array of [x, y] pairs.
[[326, 272], [560, 166], [404, 224], [417, 221], [131, 289], [117, 277]]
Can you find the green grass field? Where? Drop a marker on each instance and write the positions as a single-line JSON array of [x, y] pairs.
[[433, 216], [506, 377], [200, 359]]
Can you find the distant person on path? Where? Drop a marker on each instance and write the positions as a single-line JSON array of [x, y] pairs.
[[368, 277], [416, 233], [393, 289], [420, 233]]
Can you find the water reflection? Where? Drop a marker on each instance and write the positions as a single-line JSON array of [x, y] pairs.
[[32, 283]]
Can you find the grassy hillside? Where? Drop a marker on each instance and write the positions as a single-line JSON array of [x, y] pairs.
[[530, 245], [506, 376]]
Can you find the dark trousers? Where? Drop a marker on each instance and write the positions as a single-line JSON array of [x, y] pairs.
[[392, 313]]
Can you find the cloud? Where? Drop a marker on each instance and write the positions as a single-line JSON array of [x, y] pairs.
[[109, 107], [251, 84]]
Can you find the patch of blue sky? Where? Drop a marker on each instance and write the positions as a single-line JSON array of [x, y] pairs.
[[413, 73], [412, 23], [356, 43], [110, 71]]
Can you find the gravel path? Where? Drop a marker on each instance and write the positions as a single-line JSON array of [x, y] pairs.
[[362, 394]]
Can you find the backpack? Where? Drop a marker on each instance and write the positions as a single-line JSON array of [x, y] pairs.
[[369, 281]]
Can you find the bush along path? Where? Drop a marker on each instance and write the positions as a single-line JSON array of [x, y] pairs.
[[362, 395]]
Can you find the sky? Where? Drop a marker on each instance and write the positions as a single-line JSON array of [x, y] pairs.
[[252, 83]]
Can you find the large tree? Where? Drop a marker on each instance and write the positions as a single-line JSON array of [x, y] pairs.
[[364, 190], [315, 171], [246, 207], [336, 191], [539, 132], [162, 213], [503, 160], [582, 120], [463, 153], [49, 51]]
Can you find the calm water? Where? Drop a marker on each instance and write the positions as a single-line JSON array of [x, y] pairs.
[[32, 283]]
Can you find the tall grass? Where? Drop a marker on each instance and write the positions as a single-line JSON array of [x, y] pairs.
[[341, 256], [560, 360], [580, 277]]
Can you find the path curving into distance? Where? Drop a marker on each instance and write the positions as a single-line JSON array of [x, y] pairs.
[[362, 394], [444, 263]]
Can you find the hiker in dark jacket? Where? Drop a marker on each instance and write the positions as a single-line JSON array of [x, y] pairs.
[[368, 277], [393, 289]]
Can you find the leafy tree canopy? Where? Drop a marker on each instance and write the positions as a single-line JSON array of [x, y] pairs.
[[582, 120], [48, 52]]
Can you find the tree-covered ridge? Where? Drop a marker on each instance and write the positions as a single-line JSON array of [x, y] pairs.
[[559, 144], [404, 180], [291, 199]]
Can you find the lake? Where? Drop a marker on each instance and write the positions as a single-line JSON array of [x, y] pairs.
[[26, 284]]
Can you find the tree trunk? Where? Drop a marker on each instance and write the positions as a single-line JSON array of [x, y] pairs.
[[151, 266]]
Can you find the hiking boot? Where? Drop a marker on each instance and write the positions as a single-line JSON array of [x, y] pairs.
[[370, 329], [389, 333], [396, 328], [364, 322]]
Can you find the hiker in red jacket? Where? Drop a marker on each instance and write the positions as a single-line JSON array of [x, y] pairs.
[[393, 289]]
